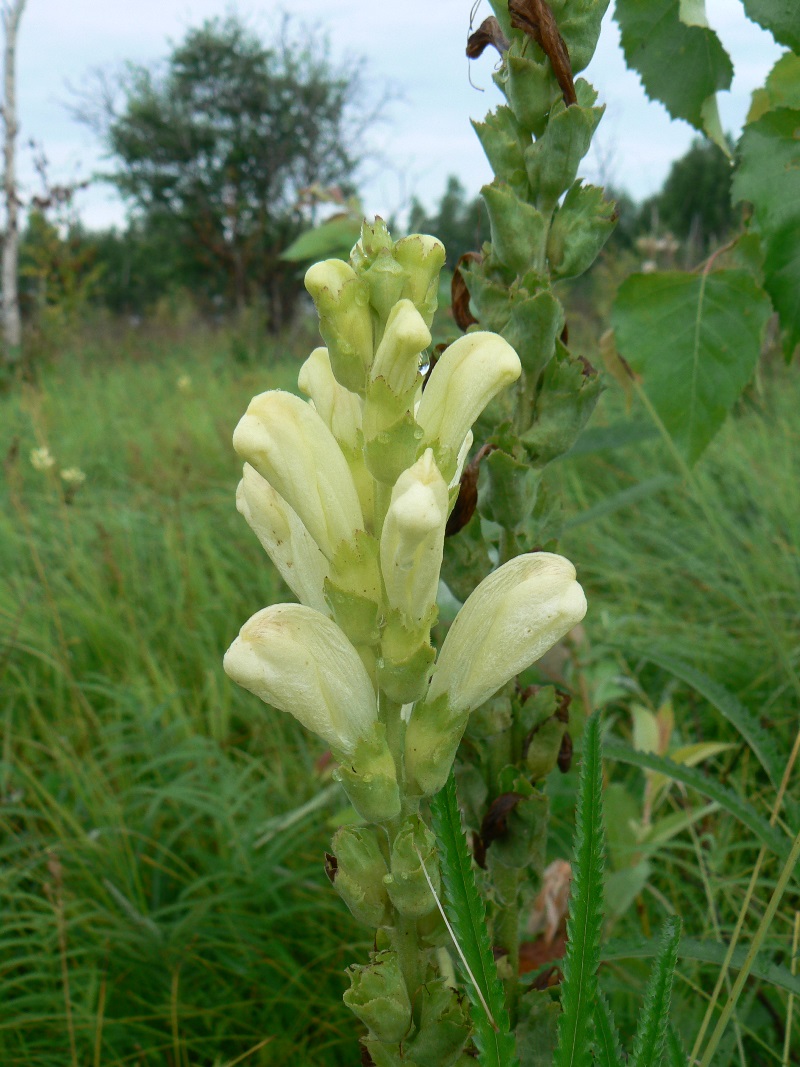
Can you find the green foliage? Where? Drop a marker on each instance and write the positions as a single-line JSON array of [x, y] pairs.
[[608, 1051], [777, 16], [648, 1046], [678, 57], [467, 915], [767, 176], [760, 741], [708, 786], [695, 339], [690, 949], [219, 144], [695, 199], [579, 990], [460, 224]]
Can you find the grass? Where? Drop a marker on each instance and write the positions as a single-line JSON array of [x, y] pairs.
[[144, 921]]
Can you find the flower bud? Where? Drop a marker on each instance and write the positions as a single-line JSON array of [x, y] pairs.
[[397, 356], [443, 1027], [288, 444], [413, 537], [357, 869], [284, 538], [422, 257], [297, 660], [338, 408], [407, 885], [469, 374], [378, 996], [345, 321], [512, 618]]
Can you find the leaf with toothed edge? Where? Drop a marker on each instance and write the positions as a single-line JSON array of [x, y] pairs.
[[579, 989], [679, 59], [467, 916], [607, 1047], [651, 1033]]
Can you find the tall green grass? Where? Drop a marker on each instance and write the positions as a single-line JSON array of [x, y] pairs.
[[148, 917], [142, 920], [702, 568]]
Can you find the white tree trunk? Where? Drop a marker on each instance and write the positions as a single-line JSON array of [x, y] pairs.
[[12, 330]]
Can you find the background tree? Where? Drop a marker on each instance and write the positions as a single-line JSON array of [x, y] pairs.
[[216, 145], [461, 224], [695, 200]]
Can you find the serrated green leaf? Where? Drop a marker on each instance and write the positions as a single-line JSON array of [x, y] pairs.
[[695, 339], [768, 176], [585, 922], [707, 786], [608, 1052], [552, 160], [781, 89], [578, 23], [780, 17], [676, 1053], [682, 65], [727, 704], [648, 1045], [581, 226], [711, 952], [467, 916]]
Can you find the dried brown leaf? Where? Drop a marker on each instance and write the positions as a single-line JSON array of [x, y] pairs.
[[535, 18], [488, 33]]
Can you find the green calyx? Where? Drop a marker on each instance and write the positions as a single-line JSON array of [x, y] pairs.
[[356, 868], [369, 778], [413, 854], [378, 996]]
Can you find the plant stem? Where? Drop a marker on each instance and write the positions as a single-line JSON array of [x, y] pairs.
[[406, 944], [507, 883]]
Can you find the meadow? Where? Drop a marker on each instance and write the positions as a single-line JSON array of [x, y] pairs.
[[162, 833]]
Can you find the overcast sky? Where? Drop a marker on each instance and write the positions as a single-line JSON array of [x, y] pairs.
[[416, 45]]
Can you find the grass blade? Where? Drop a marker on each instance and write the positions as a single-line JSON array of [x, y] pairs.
[[740, 809], [711, 952], [729, 706], [648, 1045], [467, 916], [579, 987]]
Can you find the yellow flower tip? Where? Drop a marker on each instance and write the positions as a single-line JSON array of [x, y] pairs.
[[468, 376], [288, 443], [513, 617], [73, 476], [300, 662], [42, 459], [284, 538]]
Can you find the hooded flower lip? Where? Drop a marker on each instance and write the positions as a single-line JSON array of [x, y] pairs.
[[469, 374], [412, 539], [288, 443], [342, 300], [397, 356], [338, 408], [511, 619], [284, 538], [299, 661]]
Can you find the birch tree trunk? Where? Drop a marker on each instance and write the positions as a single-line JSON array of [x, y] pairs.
[[12, 330]]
